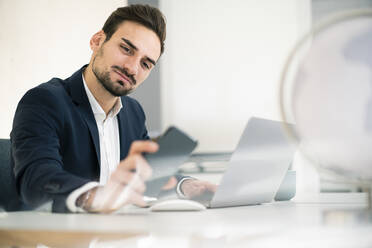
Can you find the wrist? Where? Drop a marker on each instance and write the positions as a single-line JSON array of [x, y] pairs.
[[82, 199], [179, 190], [74, 195], [85, 201]]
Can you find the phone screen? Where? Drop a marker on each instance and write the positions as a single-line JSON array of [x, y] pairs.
[[175, 148]]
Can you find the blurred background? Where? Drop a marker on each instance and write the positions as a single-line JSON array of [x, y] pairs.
[[221, 65]]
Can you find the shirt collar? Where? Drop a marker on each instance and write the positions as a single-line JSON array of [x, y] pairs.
[[96, 108]]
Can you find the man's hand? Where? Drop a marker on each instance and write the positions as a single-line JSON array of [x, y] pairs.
[[126, 184], [192, 188]]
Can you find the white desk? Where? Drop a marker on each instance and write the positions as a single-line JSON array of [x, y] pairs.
[[287, 224]]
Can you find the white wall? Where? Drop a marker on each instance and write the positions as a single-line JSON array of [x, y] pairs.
[[222, 60], [222, 64], [41, 39]]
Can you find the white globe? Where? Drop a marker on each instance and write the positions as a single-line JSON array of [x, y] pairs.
[[327, 91]]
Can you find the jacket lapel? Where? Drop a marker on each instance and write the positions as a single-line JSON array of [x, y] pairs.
[[80, 98], [123, 142]]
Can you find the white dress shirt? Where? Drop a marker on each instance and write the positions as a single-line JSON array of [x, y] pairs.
[[109, 144], [109, 139]]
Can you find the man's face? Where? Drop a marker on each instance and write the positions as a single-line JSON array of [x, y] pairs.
[[123, 62]]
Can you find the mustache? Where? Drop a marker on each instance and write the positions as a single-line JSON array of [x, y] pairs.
[[126, 73]]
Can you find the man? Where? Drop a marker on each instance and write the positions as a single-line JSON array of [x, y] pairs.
[[78, 142]]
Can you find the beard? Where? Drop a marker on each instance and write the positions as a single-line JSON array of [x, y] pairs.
[[103, 76]]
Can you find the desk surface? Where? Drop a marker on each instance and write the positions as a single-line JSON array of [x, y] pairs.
[[261, 225]]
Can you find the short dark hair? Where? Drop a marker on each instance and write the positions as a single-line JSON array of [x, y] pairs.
[[146, 15]]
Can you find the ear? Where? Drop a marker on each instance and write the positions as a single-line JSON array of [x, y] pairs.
[[97, 40]]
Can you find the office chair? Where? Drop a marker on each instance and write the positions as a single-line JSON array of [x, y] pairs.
[[9, 198]]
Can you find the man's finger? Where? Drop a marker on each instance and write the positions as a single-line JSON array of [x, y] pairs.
[[136, 164], [137, 199], [142, 146], [129, 178], [211, 187], [137, 184], [127, 196], [172, 183]]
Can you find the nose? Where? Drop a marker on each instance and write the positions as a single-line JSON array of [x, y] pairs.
[[132, 65]]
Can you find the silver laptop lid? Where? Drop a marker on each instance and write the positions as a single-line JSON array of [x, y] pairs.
[[257, 167]]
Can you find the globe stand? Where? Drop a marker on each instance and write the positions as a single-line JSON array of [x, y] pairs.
[[351, 216]]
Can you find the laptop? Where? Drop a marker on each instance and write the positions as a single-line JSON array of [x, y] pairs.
[[257, 166]]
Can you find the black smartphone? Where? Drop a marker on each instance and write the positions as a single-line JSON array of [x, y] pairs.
[[175, 147]]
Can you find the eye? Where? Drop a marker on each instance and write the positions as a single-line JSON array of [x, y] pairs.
[[146, 65], [125, 48]]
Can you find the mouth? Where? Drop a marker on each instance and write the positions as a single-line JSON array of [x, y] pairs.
[[124, 78]]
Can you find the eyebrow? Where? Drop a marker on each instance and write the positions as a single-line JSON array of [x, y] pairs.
[[151, 60], [129, 43]]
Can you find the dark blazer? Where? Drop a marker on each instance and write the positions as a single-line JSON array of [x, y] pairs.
[[55, 143]]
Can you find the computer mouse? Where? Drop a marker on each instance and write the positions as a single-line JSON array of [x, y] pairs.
[[177, 205]]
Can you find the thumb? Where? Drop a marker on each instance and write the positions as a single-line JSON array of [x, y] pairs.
[[142, 146], [172, 183]]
